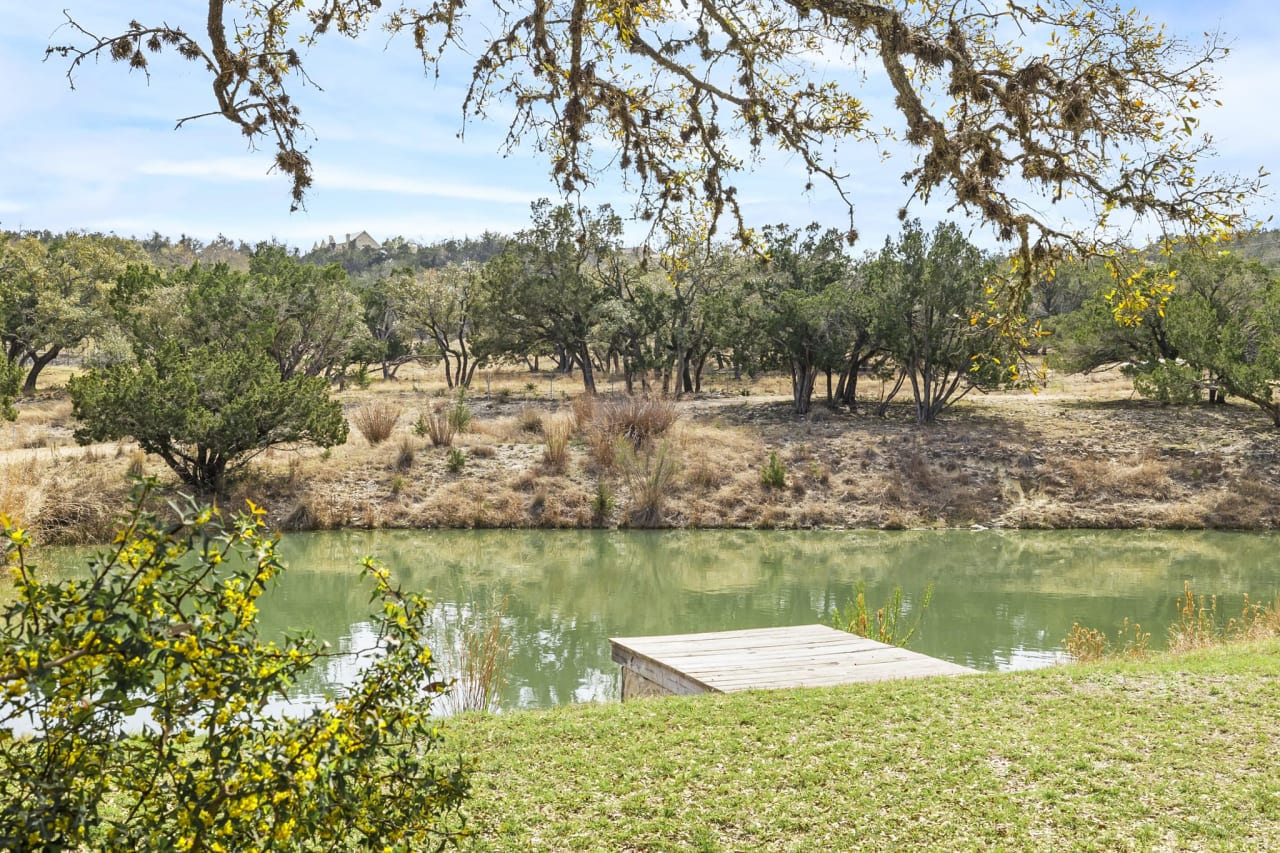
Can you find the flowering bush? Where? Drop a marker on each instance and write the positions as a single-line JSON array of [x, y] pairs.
[[135, 709]]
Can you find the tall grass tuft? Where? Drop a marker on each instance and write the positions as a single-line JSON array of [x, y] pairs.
[[1200, 625], [602, 449], [405, 454], [894, 623], [529, 419], [650, 476], [137, 464], [584, 410], [437, 426], [376, 421], [483, 658], [639, 419], [556, 431]]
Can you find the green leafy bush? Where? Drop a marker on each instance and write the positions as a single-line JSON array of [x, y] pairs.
[[1167, 381], [136, 706]]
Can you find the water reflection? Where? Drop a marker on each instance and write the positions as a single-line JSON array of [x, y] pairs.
[[1002, 600]]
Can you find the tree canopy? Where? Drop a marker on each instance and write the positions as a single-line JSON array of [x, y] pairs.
[[206, 389], [54, 294], [1009, 108]]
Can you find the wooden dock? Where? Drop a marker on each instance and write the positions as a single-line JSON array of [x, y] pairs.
[[763, 659]]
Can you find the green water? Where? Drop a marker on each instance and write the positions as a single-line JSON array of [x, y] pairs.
[[1002, 600]]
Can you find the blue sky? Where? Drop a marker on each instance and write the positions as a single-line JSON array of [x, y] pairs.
[[387, 158]]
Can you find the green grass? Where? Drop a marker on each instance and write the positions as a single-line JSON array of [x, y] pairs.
[[1174, 753]]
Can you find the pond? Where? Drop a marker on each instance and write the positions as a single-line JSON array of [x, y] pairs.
[[1001, 599]]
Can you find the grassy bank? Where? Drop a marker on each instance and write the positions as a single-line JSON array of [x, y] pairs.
[[1174, 753]]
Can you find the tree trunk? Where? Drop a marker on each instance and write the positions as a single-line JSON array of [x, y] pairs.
[[470, 373], [448, 371], [697, 374], [883, 407], [681, 369], [38, 363], [802, 378], [588, 375]]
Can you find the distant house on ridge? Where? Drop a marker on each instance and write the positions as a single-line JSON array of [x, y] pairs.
[[351, 243]]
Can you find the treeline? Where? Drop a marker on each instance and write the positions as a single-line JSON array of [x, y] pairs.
[[1200, 325], [207, 353]]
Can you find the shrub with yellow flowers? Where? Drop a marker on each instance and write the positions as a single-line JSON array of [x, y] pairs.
[[135, 705]]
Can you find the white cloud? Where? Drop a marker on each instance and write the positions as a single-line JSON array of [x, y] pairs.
[[368, 182], [210, 169]]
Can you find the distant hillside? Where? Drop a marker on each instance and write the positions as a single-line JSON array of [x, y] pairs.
[[1263, 246]]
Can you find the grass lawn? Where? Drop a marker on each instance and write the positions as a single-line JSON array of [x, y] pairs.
[[1174, 753]]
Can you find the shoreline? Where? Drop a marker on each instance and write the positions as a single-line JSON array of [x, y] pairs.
[[1081, 454]]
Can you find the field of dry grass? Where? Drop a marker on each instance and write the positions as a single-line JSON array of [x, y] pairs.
[[1083, 452]]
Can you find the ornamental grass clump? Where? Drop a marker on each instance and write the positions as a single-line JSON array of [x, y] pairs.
[[375, 421], [650, 477], [436, 425], [139, 698], [638, 419], [556, 432], [482, 652]]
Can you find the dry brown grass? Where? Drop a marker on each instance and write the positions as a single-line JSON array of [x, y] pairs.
[[42, 423], [437, 426], [1086, 645], [66, 499], [584, 411], [1080, 454], [556, 431], [376, 420], [603, 422], [529, 419], [649, 474], [639, 419], [1201, 625], [1134, 478], [406, 453]]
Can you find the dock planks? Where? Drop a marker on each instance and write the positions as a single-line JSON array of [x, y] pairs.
[[763, 659]]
